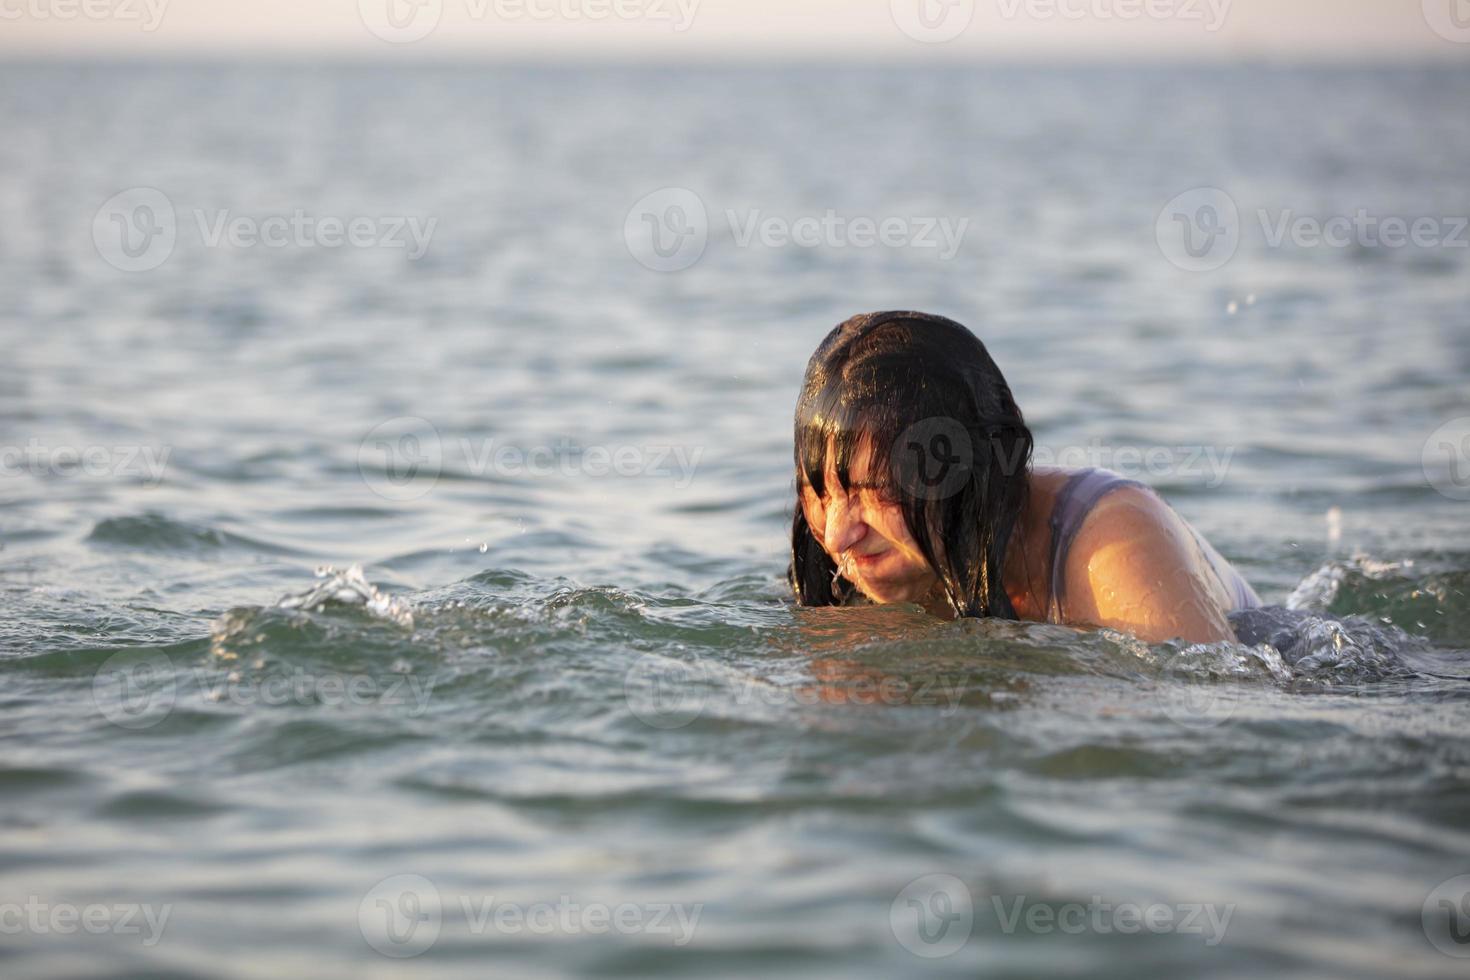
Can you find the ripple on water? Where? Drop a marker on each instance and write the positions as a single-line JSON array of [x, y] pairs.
[[156, 532]]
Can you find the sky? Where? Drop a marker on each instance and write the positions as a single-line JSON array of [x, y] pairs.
[[697, 30]]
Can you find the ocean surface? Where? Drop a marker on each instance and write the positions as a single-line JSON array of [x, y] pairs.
[[402, 604]]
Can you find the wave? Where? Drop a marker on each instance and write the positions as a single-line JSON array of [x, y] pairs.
[[746, 627]]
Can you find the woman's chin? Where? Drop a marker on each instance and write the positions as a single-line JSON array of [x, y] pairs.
[[888, 592]]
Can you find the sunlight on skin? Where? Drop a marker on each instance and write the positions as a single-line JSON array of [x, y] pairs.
[[1137, 568], [1132, 567], [866, 535]]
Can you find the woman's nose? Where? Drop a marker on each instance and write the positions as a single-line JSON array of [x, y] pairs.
[[845, 526]]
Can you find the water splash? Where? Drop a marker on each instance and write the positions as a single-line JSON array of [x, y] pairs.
[[350, 587], [1318, 589]]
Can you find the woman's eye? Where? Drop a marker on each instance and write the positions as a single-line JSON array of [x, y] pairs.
[[880, 495], [889, 494]]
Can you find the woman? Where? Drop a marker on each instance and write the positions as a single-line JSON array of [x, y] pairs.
[[915, 484]]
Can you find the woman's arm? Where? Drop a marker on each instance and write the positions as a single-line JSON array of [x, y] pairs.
[[1134, 566]]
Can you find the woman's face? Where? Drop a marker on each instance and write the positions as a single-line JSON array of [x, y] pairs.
[[865, 534]]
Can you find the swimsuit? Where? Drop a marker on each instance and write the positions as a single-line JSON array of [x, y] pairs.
[[1077, 498]]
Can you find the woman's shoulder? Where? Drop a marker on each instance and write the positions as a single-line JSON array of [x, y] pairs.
[[1078, 496], [1096, 507], [1133, 559]]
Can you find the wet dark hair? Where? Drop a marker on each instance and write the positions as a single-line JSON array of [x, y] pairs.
[[947, 442]]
